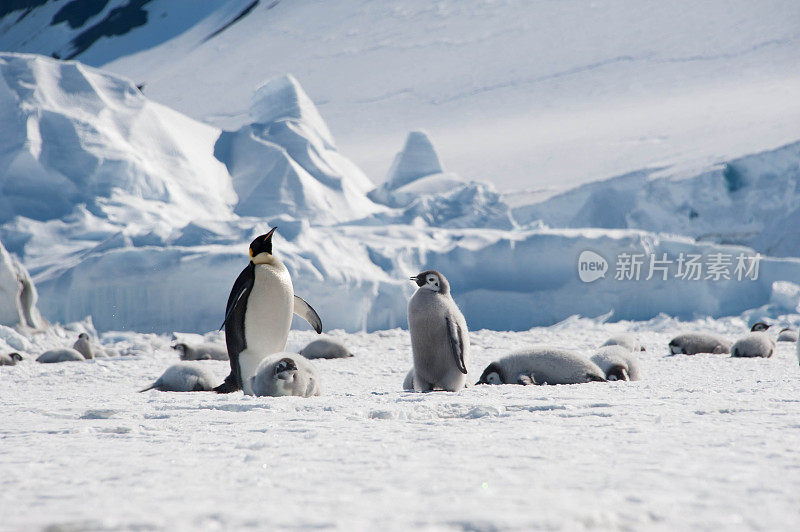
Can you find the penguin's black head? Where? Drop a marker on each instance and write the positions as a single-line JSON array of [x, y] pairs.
[[432, 280], [181, 349], [285, 364], [759, 326], [493, 374], [83, 336], [261, 247], [617, 372]]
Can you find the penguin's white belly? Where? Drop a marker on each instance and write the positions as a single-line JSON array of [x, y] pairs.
[[268, 318]]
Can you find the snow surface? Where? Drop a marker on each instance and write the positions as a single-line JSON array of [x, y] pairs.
[[700, 443]]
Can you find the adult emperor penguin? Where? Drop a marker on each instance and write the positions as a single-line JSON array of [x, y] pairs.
[[439, 335], [259, 314]]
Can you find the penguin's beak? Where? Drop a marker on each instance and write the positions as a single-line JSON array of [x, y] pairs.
[[417, 279], [269, 235]]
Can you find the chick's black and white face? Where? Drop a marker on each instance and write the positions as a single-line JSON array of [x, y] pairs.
[[181, 349], [493, 378], [285, 369], [429, 281]]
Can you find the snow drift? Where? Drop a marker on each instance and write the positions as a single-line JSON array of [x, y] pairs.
[[77, 138], [419, 190], [285, 161], [356, 277], [751, 200]]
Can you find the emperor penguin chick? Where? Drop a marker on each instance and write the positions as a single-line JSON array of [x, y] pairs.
[[625, 340], [542, 365], [699, 342], [60, 355], [755, 344], [284, 374], [326, 348], [204, 351], [184, 377], [618, 363], [10, 359], [84, 346], [439, 335]]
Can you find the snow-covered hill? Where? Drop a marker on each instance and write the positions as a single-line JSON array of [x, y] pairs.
[[525, 94], [752, 201], [78, 143], [285, 161], [124, 213]]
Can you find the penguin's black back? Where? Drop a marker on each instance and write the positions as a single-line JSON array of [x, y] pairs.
[[235, 311]]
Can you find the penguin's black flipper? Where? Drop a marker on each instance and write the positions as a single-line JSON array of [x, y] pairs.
[[456, 343], [244, 283], [234, 326], [305, 311]]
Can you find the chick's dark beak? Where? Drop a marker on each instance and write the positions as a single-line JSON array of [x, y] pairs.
[[418, 279]]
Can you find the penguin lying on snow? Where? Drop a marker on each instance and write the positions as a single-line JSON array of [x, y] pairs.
[[10, 359], [756, 344], [184, 377], [200, 351], [618, 363], [693, 343], [259, 314], [439, 335], [759, 326], [787, 335], [325, 348], [542, 365], [625, 340], [60, 355], [284, 374]]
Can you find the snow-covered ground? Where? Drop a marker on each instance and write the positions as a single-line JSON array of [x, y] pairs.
[[126, 210], [703, 442]]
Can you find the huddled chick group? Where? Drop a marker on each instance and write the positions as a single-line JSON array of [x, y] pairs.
[[758, 343], [279, 375]]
